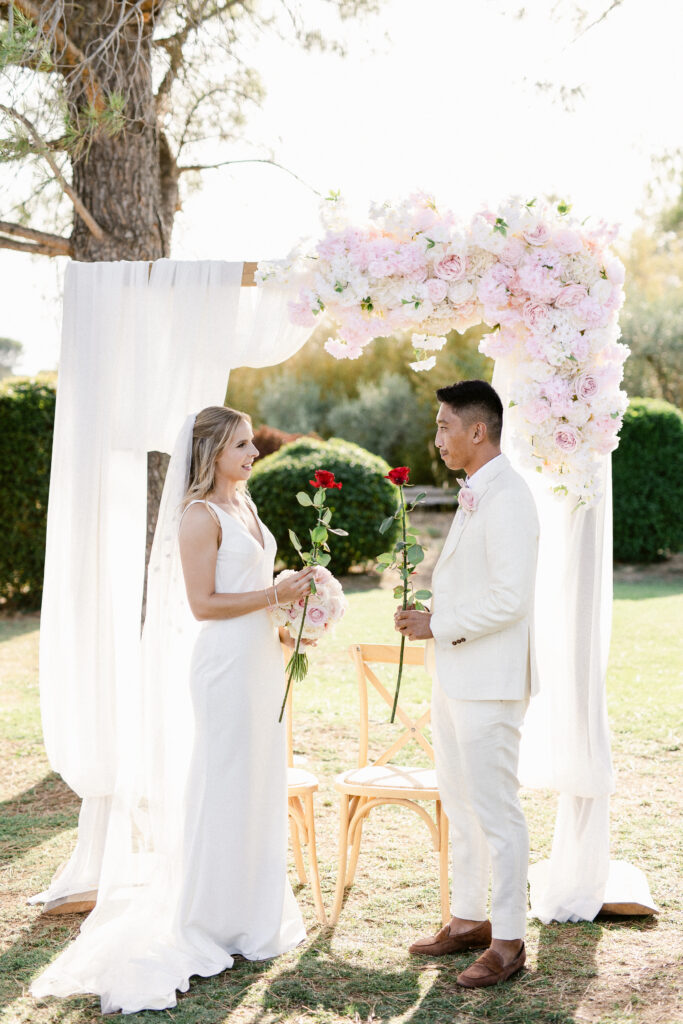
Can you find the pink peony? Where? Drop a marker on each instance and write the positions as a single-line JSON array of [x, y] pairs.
[[570, 295], [301, 313], [537, 411], [538, 235], [437, 289], [512, 252], [579, 347], [590, 311], [567, 241], [567, 438], [536, 316], [451, 267], [499, 343]]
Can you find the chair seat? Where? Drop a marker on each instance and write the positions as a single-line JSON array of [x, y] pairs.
[[300, 780], [404, 780]]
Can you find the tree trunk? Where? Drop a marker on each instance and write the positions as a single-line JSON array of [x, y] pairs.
[[129, 180]]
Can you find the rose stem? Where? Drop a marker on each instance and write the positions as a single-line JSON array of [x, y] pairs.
[[292, 661], [405, 603]]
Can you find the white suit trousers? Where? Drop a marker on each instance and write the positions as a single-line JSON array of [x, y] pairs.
[[476, 743]]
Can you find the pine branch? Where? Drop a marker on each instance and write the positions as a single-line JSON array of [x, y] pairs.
[[69, 53], [39, 242], [44, 151], [254, 160]]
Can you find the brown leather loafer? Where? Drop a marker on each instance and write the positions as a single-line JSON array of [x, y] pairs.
[[443, 942], [489, 969]]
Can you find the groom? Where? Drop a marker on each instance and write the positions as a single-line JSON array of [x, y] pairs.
[[482, 663]]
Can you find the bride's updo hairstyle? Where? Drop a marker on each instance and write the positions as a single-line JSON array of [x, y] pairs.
[[214, 427]]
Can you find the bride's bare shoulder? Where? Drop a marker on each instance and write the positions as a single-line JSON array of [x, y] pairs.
[[199, 522]]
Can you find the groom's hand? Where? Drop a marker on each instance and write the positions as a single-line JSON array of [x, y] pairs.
[[412, 624]]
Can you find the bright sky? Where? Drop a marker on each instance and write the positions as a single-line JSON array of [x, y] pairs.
[[437, 95]]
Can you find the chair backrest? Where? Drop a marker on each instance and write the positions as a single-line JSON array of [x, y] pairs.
[[363, 657]]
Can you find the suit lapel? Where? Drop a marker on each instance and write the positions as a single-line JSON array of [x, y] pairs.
[[460, 521], [458, 526]]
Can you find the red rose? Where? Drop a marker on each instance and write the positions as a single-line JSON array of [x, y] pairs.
[[399, 475], [323, 478]]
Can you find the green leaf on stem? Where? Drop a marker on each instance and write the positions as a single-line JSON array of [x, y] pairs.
[[303, 499], [416, 554], [295, 540], [319, 534], [337, 532], [386, 558], [324, 559], [327, 515], [386, 524], [398, 592], [423, 595], [319, 499], [314, 589]]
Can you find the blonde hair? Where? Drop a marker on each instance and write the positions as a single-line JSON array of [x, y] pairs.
[[214, 427]]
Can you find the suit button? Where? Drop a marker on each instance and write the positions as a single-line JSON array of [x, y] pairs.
[[454, 642]]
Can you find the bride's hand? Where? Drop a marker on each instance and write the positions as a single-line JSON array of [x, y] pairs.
[[286, 637], [295, 587]]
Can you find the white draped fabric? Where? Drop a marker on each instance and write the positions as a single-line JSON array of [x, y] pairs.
[[565, 740], [141, 351]]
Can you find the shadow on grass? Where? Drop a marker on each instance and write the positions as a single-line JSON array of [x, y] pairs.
[[645, 589], [35, 815], [17, 624], [325, 981], [32, 952]]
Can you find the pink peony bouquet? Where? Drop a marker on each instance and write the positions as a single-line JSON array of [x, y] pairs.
[[324, 608]]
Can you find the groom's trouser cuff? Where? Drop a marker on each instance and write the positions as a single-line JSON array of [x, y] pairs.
[[477, 750]]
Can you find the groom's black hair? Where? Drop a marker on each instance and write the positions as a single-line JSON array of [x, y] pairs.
[[475, 400]]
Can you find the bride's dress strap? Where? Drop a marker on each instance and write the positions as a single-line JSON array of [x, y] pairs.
[[210, 509]]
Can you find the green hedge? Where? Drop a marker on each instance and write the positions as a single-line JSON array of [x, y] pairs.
[[647, 476], [365, 499], [27, 413]]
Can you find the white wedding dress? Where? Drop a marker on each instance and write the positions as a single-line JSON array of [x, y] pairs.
[[231, 893]]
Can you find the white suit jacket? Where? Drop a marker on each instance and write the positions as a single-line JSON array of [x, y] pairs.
[[483, 593]]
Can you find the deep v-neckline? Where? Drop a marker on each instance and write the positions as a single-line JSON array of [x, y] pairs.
[[261, 543]]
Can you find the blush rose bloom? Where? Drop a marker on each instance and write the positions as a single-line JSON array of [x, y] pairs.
[[437, 289], [316, 615], [571, 295], [587, 387], [538, 235], [467, 499], [451, 267], [567, 438], [536, 316]]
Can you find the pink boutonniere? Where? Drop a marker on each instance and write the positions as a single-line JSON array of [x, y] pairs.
[[467, 499]]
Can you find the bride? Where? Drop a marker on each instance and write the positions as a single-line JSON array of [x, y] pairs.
[[194, 870]]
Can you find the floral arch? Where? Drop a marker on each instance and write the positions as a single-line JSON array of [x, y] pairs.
[[547, 285]]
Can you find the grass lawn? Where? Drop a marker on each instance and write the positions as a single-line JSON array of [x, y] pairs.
[[609, 971]]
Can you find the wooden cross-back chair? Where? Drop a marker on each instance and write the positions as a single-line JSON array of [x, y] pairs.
[[301, 785], [379, 782]]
